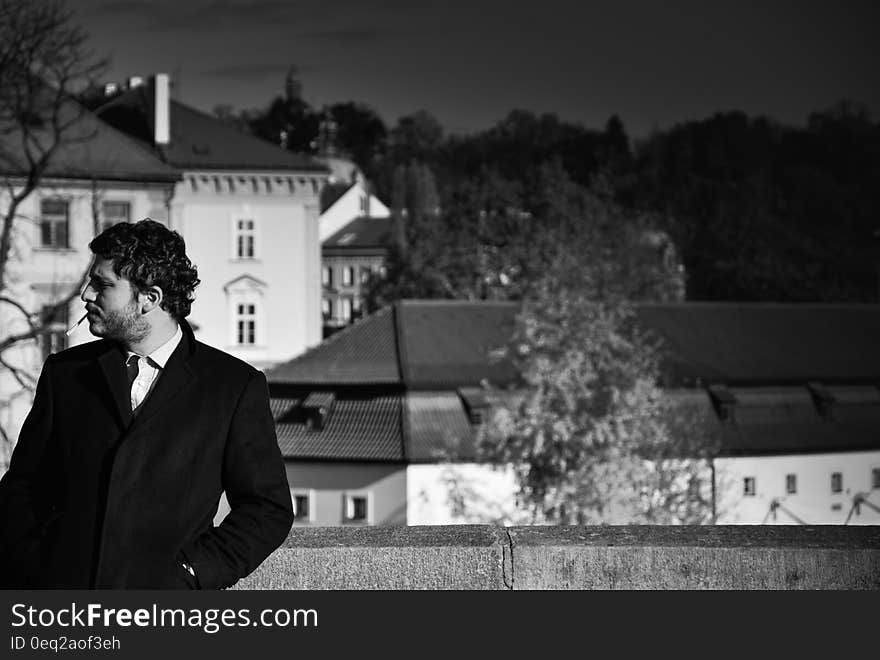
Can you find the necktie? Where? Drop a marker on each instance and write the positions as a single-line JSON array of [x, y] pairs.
[[131, 368]]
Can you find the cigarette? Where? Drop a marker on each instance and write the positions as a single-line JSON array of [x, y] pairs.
[[76, 325]]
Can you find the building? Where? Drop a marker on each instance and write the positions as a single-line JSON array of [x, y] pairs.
[[345, 201], [351, 258], [378, 423], [369, 420], [249, 212], [97, 177]]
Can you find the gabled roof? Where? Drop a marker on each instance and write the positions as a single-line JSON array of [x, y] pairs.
[[448, 342], [429, 343], [753, 343], [361, 233], [429, 354], [198, 140], [333, 192], [423, 344], [363, 353], [91, 150]]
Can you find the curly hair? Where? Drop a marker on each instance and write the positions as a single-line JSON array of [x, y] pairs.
[[147, 253]]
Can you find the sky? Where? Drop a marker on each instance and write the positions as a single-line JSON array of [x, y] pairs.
[[653, 63]]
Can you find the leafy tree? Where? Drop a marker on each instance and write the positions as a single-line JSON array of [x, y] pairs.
[[495, 238], [588, 432], [763, 211], [360, 134], [289, 120]]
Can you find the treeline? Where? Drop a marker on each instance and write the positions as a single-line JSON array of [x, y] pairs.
[[756, 210]]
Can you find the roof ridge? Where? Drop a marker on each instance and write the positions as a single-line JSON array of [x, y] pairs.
[[733, 304], [437, 302]]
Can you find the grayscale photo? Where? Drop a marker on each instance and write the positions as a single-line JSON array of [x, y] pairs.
[[402, 296]]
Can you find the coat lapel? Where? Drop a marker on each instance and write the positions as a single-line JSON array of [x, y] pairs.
[[112, 363], [176, 376]]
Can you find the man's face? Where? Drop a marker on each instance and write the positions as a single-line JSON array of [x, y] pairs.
[[112, 305]]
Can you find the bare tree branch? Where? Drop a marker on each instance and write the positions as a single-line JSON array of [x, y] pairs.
[[45, 62]]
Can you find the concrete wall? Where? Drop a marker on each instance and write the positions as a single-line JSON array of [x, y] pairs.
[[626, 557]]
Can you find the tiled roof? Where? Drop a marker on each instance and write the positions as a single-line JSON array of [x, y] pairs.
[[438, 428], [448, 343], [332, 193], [365, 429], [766, 354], [199, 141], [363, 353], [754, 343], [92, 150], [360, 233], [373, 427], [784, 420]]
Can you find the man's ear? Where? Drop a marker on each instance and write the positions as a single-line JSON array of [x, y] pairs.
[[151, 298]]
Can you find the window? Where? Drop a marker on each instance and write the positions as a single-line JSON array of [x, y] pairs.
[[303, 511], [246, 324], [365, 205], [749, 486], [325, 308], [56, 338], [327, 276], [791, 484], [54, 219], [244, 238], [836, 482], [875, 478], [357, 508], [113, 213], [347, 276], [345, 309], [365, 275]]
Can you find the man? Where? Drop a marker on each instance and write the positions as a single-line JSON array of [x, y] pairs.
[[131, 440]]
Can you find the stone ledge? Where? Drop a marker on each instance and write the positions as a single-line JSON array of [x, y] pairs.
[[628, 557]]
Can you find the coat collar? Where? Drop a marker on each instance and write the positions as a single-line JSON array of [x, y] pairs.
[[176, 375]]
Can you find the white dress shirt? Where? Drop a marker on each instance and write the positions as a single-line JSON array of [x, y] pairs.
[[149, 368]]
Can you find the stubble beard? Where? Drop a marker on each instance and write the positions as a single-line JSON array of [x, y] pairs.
[[125, 326]]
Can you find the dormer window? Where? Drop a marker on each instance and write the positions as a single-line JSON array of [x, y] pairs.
[[317, 407], [475, 402], [724, 402]]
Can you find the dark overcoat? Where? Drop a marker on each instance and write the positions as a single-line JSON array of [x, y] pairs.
[[94, 498]]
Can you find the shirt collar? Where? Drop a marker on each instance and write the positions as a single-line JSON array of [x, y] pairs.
[[160, 355]]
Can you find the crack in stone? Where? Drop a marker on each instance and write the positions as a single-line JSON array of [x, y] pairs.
[[507, 558]]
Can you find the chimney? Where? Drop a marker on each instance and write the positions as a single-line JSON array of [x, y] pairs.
[[161, 109]]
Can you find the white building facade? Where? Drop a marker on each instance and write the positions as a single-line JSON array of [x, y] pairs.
[[254, 238], [249, 213]]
